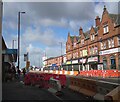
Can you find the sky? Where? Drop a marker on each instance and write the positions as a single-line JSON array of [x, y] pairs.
[[46, 24]]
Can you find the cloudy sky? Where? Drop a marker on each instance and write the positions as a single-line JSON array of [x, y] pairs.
[[46, 24]]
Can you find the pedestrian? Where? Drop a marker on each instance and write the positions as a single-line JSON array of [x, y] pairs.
[[18, 72], [24, 72]]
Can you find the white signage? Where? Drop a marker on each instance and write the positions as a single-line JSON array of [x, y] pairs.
[[74, 61], [114, 50], [92, 59], [82, 60]]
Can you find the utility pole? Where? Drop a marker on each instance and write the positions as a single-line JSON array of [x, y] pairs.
[[19, 38]]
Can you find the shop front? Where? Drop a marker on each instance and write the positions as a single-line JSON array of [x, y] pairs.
[[82, 63], [68, 66], [93, 63], [75, 65]]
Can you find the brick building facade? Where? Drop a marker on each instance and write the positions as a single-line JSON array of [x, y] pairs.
[[95, 49]]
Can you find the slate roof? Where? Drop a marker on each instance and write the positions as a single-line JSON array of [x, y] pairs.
[[115, 18]]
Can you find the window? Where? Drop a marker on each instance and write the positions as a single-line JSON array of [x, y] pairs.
[[93, 52], [96, 50], [74, 44], [80, 53], [92, 37], [118, 40], [101, 44], [104, 45], [68, 47], [105, 29], [82, 41], [112, 42], [109, 43]]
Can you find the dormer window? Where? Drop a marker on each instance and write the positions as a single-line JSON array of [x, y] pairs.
[[105, 28], [68, 47], [92, 37]]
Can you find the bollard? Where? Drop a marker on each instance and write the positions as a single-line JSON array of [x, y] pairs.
[[55, 86]]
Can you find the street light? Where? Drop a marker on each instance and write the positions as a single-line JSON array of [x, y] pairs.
[[61, 53], [19, 37], [13, 44]]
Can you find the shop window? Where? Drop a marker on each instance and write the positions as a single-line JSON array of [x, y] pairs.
[[104, 63], [105, 29], [113, 62]]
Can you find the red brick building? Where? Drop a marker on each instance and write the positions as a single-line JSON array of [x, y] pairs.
[[97, 48], [54, 63]]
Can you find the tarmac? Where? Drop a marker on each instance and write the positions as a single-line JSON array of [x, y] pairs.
[[17, 91]]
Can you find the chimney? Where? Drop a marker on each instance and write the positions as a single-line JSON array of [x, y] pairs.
[[80, 31], [97, 20]]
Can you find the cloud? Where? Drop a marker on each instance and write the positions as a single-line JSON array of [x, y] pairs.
[[42, 23]]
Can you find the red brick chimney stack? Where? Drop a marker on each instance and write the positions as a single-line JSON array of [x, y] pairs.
[[97, 21], [80, 31]]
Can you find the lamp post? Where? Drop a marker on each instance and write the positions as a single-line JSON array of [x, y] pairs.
[[19, 37], [61, 53]]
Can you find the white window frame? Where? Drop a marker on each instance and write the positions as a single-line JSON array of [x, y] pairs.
[[112, 42], [105, 29]]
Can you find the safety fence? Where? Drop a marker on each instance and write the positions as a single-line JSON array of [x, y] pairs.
[[100, 73], [42, 79], [92, 88], [90, 73]]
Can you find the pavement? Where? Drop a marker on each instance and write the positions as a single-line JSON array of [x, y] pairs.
[[17, 91]]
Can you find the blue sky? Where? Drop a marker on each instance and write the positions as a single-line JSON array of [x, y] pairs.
[[46, 24]]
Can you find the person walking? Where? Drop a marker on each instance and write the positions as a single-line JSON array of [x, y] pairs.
[[24, 72]]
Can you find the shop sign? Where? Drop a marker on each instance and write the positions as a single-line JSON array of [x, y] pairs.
[[114, 50], [68, 62], [92, 59], [74, 61], [82, 60]]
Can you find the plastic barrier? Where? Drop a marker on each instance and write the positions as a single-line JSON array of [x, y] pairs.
[[27, 79], [87, 87], [101, 73], [55, 86], [113, 96]]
